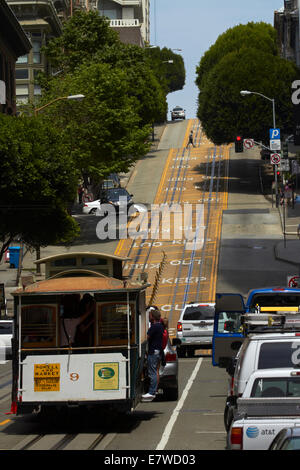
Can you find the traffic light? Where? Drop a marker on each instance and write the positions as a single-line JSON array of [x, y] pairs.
[[239, 144], [285, 150]]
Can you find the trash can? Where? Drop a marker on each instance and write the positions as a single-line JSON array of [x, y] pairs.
[[14, 255]]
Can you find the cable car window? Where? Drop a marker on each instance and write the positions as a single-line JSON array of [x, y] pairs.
[[89, 261], [113, 325], [38, 326], [64, 262]]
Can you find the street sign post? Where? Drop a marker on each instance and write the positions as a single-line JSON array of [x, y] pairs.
[[293, 281], [248, 143], [275, 158], [275, 144]]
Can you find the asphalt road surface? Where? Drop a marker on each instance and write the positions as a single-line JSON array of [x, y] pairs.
[[237, 230]]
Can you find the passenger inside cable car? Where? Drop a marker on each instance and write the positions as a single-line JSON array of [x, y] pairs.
[[77, 321], [76, 318]]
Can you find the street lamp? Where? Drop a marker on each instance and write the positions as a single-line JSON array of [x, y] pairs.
[[168, 61], [246, 92], [70, 97]]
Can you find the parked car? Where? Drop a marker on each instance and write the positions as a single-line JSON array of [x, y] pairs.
[[259, 351], [195, 327], [109, 196], [6, 333], [287, 439], [177, 113], [168, 375], [112, 181], [269, 403]]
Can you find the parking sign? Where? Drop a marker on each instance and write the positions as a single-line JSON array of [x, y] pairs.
[[274, 134]]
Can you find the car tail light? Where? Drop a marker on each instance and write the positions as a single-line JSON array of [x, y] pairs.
[[170, 357], [236, 438], [179, 326]]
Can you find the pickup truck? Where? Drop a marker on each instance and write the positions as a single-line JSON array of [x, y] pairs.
[[270, 402]]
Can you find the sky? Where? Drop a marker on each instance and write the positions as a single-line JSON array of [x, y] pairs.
[[194, 26]]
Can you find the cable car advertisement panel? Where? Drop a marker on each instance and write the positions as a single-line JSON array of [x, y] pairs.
[[74, 377]]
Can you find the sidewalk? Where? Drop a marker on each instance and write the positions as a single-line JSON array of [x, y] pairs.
[[289, 249]]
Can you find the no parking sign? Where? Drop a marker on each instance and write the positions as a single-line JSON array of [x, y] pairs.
[[293, 281], [248, 143]]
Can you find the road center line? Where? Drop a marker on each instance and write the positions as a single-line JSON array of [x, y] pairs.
[[168, 429]]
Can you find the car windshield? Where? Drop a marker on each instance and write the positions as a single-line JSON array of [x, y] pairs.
[[278, 354], [5, 328], [115, 194], [267, 387], [201, 312], [178, 109], [291, 444]]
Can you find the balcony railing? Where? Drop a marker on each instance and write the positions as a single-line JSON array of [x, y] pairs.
[[124, 23]]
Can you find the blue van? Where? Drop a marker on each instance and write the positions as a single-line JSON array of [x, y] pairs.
[[228, 333]]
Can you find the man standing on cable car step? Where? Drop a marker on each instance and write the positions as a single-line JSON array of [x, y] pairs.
[[155, 337]]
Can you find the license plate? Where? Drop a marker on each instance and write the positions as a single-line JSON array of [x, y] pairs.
[[46, 377]]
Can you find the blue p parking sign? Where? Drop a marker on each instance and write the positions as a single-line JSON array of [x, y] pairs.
[[274, 134]]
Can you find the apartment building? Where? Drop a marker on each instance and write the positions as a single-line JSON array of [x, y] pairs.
[[13, 43], [41, 20], [286, 22], [130, 18]]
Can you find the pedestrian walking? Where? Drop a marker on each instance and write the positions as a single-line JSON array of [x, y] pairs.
[[191, 140], [155, 340]]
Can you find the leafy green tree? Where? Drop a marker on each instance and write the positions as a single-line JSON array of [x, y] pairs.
[[104, 132], [171, 75], [261, 36], [37, 181], [84, 34], [224, 113], [144, 86]]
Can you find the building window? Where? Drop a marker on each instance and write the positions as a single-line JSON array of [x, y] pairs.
[[36, 45], [23, 59], [109, 8], [22, 93], [22, 74]]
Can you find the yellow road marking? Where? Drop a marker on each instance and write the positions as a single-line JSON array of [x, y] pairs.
[[5, 422]]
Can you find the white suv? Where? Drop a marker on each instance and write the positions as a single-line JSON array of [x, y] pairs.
[[177, 113], [195, 327]]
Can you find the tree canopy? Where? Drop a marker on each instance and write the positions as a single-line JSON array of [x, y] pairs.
[[37, 180], [253, 66], [123, 96]]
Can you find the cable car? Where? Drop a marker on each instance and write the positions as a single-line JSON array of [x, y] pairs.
[[80, 336]]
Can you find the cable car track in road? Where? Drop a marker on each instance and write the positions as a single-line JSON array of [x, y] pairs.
[[71, 441], [203, 251], [178, 186], [180, 158]]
